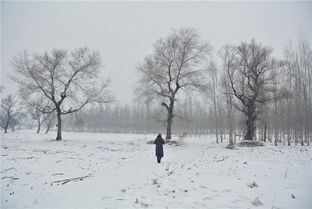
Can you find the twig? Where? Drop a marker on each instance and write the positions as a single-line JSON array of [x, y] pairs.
[[44, 151], [26, 158], [56, 174], [64, 181], [10, 177], [7, 169], [171, 172], [23, 158], [222, 159]]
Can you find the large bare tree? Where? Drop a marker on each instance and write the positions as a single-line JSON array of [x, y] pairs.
[[175, 65], [67, 80], [249, 68]]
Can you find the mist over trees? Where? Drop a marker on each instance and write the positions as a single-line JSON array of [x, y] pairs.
[[240, 91], [192, 117], [293, 114]]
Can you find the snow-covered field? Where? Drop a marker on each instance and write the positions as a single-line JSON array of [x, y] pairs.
[[120, 171]]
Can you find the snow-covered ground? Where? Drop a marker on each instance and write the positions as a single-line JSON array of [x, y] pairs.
[[121, 172]]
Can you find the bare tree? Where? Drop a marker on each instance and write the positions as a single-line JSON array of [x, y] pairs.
[[228, 57], [250, 77], [67, 81], [18, 121], [299, 76], [34, 112], [174, 66], [8, 112], [50, 121], [213, 74], [229, 106], [39, 117]]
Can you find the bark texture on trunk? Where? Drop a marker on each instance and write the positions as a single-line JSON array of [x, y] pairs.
[[250, 123], [6, 129], [169, 119], [59, 125]]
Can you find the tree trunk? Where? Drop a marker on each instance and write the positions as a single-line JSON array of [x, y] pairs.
[[6, 128], [38, 127], [169, 119], [169, 122], [265, 131], [296, 137], [49, 126], [288, 138], [230, 118], [59, 124], [275, 121], [7, 125], [250, 130], [216, 120], [220, 122], [250, 124]]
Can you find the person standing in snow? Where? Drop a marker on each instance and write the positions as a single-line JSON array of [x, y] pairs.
[[159, 141]]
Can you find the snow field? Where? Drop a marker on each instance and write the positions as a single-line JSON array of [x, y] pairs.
[[120, 171]]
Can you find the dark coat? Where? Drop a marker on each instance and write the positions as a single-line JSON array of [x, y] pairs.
[[159, 146]]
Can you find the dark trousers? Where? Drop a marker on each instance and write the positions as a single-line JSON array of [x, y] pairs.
[[158, 159]]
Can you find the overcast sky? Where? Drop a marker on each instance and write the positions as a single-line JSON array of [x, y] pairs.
[[124, 32]]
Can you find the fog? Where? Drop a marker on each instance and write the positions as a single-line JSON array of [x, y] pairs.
[[124, 32]]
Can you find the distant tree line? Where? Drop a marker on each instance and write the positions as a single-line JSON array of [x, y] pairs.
[[192, 117]]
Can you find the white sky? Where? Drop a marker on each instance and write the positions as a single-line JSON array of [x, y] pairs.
[[124, 32]]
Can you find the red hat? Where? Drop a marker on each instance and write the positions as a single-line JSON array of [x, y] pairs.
[[159, 135]]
